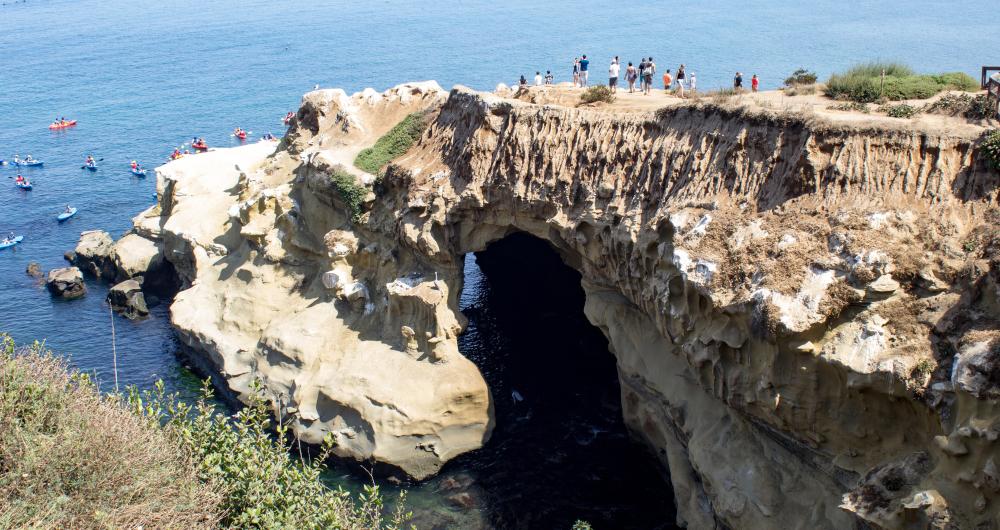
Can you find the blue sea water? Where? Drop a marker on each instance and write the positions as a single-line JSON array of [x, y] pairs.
[[143, 77]]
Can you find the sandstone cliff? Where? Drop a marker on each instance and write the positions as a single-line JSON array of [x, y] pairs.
[[804, 313]]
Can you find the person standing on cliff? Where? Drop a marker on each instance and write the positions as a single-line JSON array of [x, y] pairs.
[[693, 83], [642, 75], [667, 80], [631, 74], [548, 77], [738, 82], [754, 83], [538, 79], [584, 70], [680, 81], [649, 71], [576, 71], [613, 71]]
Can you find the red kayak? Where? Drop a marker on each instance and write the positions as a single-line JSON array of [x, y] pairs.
[[200, 147], [242, 135], [63, 125]]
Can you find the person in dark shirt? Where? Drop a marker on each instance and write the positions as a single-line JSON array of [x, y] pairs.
[[738, 82], [584, 67]]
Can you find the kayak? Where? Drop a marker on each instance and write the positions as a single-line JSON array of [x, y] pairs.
[[22, 163], [200, 147], [139, 172], [90, 167], [23, 185], [55, 126], [242, 135], [66, 215], [7, 244]]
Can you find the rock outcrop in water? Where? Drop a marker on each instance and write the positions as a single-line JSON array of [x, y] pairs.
[[805, 314]]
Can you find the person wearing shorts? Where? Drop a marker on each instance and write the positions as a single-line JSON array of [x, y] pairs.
[[613, 72], [576, 71], [631, 74], [648, 73]]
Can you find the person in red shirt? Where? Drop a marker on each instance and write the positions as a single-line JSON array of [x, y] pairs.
[[754, 83]]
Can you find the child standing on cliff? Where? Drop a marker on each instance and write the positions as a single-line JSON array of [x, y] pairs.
[[754, 83], [667, 80]]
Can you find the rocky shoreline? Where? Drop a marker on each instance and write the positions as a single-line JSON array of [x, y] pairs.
[[805, 314]]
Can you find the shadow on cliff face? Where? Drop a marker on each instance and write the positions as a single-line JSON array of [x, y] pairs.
[[560, 451]]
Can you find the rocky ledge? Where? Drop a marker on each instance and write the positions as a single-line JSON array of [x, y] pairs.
[[804, 313]]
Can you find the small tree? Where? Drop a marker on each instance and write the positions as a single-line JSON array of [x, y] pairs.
[[801, 77]]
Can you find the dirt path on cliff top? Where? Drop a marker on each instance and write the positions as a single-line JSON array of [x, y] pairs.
[[816, 105]]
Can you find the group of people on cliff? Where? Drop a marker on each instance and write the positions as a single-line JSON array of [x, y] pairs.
[[644, 72]]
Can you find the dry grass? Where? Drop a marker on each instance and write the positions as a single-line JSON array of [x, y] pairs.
[[70, 458]]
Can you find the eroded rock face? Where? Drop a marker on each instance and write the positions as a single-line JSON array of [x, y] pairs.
[[797, 308], [66, 283], [93, 254], [127, 299]]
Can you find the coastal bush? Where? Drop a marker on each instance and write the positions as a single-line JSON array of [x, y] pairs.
[[392, 144], [263, 485], [900, 111], [982, 108], [801, 77], [864, 83], [352, 193], [70, 458], [990, 148], [851, 106], [598, 93]]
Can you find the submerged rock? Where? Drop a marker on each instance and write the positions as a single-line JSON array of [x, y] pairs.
[[127, 299], [66, 283], [34, 270]]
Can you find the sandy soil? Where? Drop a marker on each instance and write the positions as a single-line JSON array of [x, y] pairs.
[[812, 106]]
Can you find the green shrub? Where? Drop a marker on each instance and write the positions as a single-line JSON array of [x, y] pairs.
[[800, 77], [392, 144], [990, 148], [864, 83], [352, 193], [264, 486], [597, 93], [900, 111]]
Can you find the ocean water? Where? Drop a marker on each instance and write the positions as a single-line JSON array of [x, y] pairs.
[[143, 77]]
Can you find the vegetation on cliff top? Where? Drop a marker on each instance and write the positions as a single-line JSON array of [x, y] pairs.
[[392, 144], [864, 83], [72, 458], [597, 93]]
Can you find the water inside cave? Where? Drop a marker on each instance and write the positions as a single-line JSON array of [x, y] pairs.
[[560, 451]]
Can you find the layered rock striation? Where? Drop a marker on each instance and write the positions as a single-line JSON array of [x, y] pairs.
[[804, 313]]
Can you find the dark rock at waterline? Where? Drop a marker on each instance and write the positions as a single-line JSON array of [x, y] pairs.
[[66, 283], [152, 300], [127, 299], [461, 500], [69, 256], [34, 270]]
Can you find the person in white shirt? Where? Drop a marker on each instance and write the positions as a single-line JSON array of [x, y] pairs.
[[692, 82], [613, 71], [538, 79]]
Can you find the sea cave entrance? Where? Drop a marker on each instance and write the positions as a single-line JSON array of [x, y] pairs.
[[560, 450]]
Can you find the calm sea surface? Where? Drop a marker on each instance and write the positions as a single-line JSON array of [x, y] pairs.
[[143, 77]]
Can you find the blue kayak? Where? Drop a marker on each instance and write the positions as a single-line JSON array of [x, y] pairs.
[[23, 185], [66, 215], [91, 167], [22, 163], [5, 243], [139, 172]]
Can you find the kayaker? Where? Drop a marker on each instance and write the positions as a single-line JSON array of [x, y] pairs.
[[19, 179], [90, 161], [176, 154], [135, 165], [69, 209], [29, 159]]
